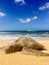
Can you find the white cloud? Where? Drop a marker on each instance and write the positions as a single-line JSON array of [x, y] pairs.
[[22, 2], [24, 20], [27, 20], [2, 14], [44, 7], [34, 18]]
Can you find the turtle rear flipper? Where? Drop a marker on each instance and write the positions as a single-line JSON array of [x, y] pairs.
[[34, 52]]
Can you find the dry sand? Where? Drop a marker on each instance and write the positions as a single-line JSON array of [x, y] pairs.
[[22, 59]]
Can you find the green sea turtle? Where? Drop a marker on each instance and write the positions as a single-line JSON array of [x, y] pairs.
[[27, 45]]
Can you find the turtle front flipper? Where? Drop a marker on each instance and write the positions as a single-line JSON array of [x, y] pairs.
[[26, 50], [12, 48]]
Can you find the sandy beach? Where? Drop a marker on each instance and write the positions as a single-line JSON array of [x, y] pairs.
[[19, 58], [24, 32]]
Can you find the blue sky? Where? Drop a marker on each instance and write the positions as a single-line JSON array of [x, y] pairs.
[[24, 15]]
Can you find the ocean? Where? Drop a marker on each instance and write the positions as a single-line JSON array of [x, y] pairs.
[[15, 34]]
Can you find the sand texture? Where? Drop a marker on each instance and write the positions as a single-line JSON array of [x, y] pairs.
[[18, 58]]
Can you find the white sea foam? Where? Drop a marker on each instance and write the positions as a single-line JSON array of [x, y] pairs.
[[8, 37]]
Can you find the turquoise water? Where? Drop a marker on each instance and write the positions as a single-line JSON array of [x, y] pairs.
[[25, 32]]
